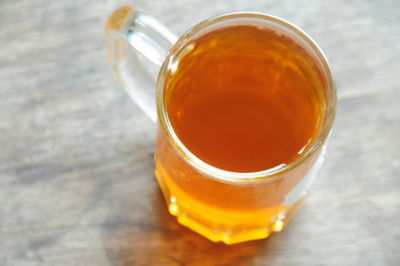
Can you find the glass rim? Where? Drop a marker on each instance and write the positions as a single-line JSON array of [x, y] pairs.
[[230, 176]]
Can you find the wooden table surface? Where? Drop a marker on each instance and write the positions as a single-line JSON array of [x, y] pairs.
[[76, 154]]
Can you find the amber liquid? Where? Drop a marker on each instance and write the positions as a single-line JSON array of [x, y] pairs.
[[241, 99], [244, 100]]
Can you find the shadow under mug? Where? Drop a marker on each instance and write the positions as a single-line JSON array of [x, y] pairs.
[[221, 205]]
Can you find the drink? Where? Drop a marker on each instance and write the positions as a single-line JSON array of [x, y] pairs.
[[241, 99], [245, 103], [246, 100]]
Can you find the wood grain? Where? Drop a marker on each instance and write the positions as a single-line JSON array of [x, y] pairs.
[[76, 166]]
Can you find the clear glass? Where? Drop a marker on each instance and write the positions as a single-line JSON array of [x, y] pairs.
[[136, 45], [222, 205]]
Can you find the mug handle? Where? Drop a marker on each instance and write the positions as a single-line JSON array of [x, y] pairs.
[[136, 46]]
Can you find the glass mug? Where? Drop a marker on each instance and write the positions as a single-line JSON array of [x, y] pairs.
[[230, 58]]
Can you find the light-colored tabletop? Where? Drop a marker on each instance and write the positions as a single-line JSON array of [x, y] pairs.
[[76, 154]]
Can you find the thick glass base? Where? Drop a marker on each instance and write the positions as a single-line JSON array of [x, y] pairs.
[[219, 224]]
